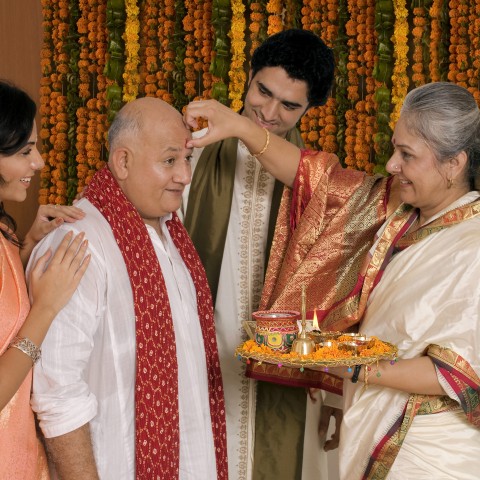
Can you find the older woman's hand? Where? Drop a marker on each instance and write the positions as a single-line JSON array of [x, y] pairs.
[[48, 218]]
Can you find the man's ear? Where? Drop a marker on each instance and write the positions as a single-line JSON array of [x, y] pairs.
[[119, 163]]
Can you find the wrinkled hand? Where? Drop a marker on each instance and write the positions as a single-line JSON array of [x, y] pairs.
[[223, 122], [49, 217], [52, 287], [326, 413]]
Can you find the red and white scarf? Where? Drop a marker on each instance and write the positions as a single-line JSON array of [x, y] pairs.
[[156, 387]]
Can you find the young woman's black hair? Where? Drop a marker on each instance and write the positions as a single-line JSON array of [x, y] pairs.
[[17, 114]]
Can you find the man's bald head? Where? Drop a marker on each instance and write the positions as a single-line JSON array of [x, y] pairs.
[[140, 117], [149, 157]]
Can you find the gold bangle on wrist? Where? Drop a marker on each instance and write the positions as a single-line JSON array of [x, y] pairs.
[[267, 141], [25, 345]]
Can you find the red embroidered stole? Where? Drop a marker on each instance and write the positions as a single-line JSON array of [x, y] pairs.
[[156, 388]]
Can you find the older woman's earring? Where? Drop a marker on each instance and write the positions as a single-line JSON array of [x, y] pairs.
[[449, 183]]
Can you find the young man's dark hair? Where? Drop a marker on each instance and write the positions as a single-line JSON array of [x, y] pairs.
[[304, 56]]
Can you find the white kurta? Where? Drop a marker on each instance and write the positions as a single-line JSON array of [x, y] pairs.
[[429, 294], [87, 370]]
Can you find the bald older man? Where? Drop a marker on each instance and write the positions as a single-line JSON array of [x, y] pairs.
[[129, 385]]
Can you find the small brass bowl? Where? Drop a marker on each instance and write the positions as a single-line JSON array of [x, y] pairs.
[[356, 345], [353, 336], [319, 337], [349, 346]]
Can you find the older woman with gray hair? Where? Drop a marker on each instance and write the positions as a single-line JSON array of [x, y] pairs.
[[418, 417]]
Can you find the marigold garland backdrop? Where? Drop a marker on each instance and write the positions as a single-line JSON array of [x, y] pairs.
[[98, 54]]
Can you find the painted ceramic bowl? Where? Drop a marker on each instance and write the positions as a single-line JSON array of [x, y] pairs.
[[276, 329]]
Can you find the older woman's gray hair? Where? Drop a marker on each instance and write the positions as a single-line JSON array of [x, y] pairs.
[[447, 117]]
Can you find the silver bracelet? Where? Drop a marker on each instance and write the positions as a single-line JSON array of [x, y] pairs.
[[27, 347]]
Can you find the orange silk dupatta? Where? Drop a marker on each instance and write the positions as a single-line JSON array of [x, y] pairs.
[[324, 230], [325, 227]]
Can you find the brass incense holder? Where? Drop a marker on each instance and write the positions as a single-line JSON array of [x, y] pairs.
[[303, 344]]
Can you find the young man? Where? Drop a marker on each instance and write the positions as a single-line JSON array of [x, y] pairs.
[[230, 212], [113, 391]]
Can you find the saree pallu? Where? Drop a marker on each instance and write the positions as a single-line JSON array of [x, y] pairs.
[[428, 301], [324, 229], [21, 453]]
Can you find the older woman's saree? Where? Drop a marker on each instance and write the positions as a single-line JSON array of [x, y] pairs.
[[426, 300], [21, 454]]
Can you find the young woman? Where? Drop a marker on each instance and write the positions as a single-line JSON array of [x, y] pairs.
[[54, 279]]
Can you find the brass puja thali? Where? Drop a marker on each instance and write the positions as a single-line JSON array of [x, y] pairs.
[[285, 338], [332, 349]]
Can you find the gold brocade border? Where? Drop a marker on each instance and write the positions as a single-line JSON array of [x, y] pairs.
[[375, 263], [448, 219], [417, 405], [468, 394], [451, 358]]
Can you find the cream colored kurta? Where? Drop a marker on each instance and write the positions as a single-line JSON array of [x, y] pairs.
[[240, 286], [238, 295], [429, 294]]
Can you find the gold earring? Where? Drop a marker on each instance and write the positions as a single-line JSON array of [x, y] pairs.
[[449, 183]]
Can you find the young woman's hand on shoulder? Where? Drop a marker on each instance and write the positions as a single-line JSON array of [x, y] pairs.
[[54, 279], [48, 218]]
